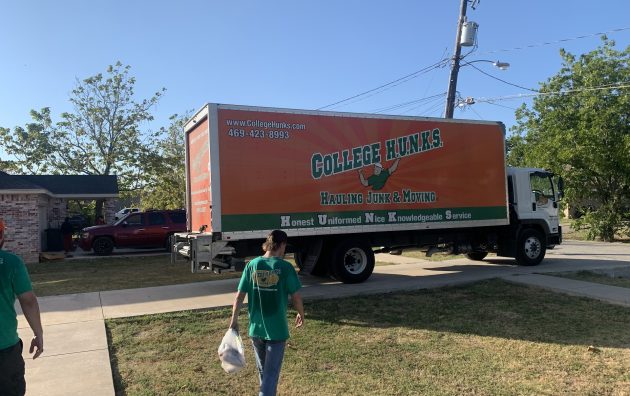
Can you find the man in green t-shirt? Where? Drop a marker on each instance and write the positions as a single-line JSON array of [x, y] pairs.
[[267, 281], [379, 178], [14, 282]]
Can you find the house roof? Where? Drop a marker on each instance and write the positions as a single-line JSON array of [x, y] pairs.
[[62, 185], [11, 182]]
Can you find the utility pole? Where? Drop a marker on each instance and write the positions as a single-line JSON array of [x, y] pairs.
[[452, 84]]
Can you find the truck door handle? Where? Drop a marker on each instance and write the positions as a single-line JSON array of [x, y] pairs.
[[165, 228], [534, 206]]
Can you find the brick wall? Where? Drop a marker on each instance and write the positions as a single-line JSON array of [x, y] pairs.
[[20, 213]]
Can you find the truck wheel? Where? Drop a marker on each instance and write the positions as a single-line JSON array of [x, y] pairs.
[[476, 256], [103, 246], [530, 248], [352, 261]]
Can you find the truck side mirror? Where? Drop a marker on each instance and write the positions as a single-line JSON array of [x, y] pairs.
[[560, 188]]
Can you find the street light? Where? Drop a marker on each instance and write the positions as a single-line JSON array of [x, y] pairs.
[[498, 64], [452, 87]]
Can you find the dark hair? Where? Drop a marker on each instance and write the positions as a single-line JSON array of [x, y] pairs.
[[274, 240]]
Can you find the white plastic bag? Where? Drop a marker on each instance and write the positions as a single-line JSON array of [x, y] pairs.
[[231, 352]]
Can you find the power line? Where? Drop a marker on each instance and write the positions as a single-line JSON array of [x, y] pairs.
[[444, 62], [438, 100], [498, 105], [498, 79], [521, 96], [555, 41], [405, 104], [392, 84], [430, 111], [478, 115]]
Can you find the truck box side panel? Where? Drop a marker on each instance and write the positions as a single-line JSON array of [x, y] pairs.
[[199, 179], [302, 171]]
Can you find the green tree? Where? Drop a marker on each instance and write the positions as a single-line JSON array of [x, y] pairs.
[[102, 136], [166, 187], [579, 127], [30, 145]]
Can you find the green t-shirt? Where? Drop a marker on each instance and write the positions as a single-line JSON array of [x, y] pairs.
[[268, 282], [378, 181], [14, 281]]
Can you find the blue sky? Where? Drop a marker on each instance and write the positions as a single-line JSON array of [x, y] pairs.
[[294, 54]]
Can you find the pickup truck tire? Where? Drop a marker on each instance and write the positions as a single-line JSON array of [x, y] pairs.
[[476, 256], [103, 246], [352, 261], [530, 247]]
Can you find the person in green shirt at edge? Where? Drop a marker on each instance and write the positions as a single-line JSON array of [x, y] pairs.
[[14, 281], [267, 281], [379, 178]]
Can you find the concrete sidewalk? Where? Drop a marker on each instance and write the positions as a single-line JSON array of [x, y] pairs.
[[610, 294], [76, 357]]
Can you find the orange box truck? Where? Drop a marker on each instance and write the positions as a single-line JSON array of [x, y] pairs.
[[345, 185]]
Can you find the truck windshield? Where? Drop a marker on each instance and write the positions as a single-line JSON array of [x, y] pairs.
[[542, 187]]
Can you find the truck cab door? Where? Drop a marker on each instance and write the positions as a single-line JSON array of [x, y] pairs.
[[544, 199]]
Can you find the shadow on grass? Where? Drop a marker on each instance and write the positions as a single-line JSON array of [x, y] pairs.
[[490, 308], [119, 388]]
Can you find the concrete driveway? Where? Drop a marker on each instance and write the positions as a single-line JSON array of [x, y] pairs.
[[76, 357]]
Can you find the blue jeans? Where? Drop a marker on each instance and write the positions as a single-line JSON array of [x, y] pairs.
[[269, 355]]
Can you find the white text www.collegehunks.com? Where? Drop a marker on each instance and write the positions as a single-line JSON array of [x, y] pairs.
[[265, 124]]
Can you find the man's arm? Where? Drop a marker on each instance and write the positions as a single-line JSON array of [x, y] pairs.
[[394, 167], [296, 300], [362, 178], [236, 307], [30, 308]]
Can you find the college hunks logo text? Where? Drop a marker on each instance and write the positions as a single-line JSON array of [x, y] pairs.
[[383, 159]]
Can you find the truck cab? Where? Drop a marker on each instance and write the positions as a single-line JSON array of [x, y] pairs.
[[533, 201]]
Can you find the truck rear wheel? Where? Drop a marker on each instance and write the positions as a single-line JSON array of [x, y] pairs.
[[476, 256], [352, 261], [530, 248], [103, 246]]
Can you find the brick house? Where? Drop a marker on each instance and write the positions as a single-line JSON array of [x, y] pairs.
[[31, 204]]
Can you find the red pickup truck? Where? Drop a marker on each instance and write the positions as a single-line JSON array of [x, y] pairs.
[[137, 230]]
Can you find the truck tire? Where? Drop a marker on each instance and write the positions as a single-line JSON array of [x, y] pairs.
[[476, 256], [103, 246], [530, 247], [352, 261]]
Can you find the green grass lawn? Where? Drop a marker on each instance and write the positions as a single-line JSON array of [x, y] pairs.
[[589, 276], [111, 273], [490, 338]]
